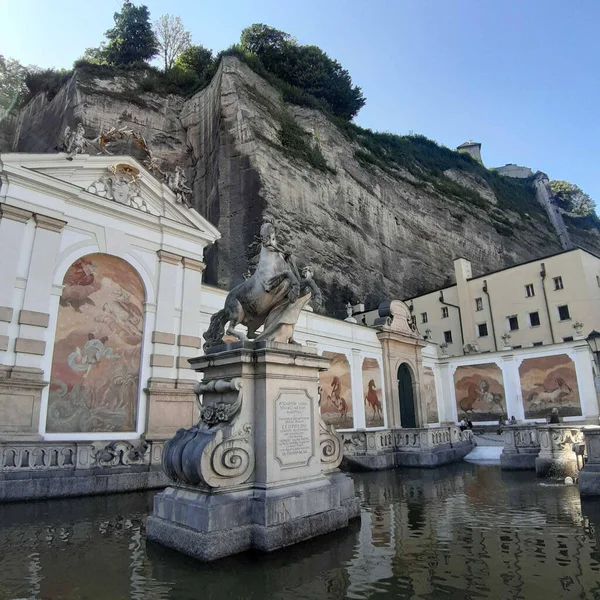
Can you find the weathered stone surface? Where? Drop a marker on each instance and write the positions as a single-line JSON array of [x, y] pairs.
[[369, 234]]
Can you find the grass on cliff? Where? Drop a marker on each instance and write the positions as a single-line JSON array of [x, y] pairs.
[[427, 161]]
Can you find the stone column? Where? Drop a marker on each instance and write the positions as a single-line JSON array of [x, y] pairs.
[[188, 340], [512, 387], [585, 381], [171, 398], [22, 376], [446, 406], [34, 317], [13, 221]]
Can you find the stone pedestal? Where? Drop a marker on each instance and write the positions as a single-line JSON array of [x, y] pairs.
[[521, 447], [589, 476], [260, 468], [556, 458]]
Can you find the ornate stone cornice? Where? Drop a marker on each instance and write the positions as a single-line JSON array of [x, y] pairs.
[[194, 265], [15, 214], [50, 223], [168, 257]]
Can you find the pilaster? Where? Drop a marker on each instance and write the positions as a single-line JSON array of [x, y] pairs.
[[585, 381], [13, 222], [358, 401], [512, 388], [34, 316]]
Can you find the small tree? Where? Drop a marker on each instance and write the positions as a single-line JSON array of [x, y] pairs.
[[572, 199], [12, 83], [198, 60], [131, 40], [172, 39]]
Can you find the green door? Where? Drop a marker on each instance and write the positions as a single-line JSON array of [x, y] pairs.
[[408, 417]]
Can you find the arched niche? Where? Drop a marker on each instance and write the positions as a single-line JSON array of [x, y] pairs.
[[406, 395], [94, 381]]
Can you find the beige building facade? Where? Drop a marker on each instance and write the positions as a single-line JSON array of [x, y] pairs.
[[542, 302]]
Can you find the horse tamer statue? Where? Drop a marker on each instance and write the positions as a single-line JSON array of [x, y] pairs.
[[273, 296]]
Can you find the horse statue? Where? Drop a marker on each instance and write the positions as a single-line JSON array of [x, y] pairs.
[[272, 297]]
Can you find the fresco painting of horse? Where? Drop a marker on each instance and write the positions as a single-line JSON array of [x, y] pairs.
[[430, 396], [336, 392], [480, 392], [94, 382], [549, 382], [372, 392]]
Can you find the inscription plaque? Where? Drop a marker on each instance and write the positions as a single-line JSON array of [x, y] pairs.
[[293, 428]]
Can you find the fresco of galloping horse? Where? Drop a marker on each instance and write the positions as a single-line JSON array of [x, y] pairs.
[[480, 392], [549, 382]]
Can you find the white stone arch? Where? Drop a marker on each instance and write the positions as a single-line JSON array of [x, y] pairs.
[[66, 260], [421, 421]]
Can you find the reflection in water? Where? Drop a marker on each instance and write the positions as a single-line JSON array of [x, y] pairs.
[[462, 531]]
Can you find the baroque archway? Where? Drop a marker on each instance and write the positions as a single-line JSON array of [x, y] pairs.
[[408, 416], [94, 384]]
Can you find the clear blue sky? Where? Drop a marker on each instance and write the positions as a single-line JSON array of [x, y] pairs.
[[520, 76]]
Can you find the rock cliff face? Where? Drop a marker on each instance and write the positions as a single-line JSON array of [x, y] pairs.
[[370, 233]]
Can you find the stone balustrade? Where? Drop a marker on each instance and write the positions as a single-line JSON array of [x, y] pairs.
[[420, 447], [589, 476], [521, 447], [546, 448], [28, 469]]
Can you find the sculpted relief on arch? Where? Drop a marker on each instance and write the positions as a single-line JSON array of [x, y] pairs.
[[94, 382]]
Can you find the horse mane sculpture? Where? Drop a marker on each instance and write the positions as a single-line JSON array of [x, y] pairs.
[[272, 297]]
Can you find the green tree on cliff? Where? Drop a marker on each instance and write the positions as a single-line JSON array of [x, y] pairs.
[[197, 60], [131, 40], [572, 199], [305, 67], [12, 83]]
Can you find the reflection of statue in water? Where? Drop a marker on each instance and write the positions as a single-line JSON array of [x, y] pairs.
[[177, 181], [273, 297]]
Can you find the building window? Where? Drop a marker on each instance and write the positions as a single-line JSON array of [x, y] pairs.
[[558, 283], [538, 343], [529, 291], [517, 347], [598, 280], [478, 304], [448, 337], [424, 317], [513, 323], [482, 329], [444, 312], [534, 319], [569, 338], [563, 313]]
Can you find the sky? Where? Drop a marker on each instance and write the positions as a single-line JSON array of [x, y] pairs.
[[519, 76]]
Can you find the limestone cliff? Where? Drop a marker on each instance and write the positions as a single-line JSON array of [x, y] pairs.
[[372, 230]]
